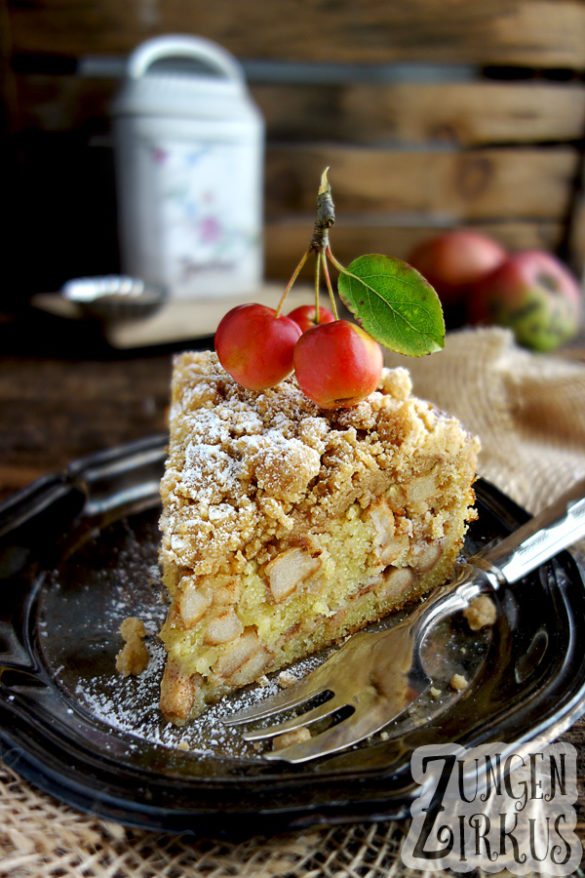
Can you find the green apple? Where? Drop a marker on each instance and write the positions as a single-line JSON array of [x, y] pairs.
[[535, 295]]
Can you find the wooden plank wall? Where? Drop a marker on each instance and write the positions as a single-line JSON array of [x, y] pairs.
[[430, 116]]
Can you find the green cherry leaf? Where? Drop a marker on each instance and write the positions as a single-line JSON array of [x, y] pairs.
[[394, 304]]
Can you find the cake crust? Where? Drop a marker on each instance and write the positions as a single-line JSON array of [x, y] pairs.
[[269, 501]]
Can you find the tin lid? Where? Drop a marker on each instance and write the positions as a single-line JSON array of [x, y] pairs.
[[182, 75]]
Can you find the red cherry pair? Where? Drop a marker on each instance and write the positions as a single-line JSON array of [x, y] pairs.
[[336, 363]]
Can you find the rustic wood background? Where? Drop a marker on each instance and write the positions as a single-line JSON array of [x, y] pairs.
[[430, 116]]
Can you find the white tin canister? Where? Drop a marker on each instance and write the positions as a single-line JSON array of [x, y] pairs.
[[189, 148]]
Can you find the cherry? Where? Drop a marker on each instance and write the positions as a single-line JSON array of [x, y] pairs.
[[256, 346], [337, 364], [305, 316]]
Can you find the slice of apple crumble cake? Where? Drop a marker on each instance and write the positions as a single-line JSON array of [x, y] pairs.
[[285, 527]]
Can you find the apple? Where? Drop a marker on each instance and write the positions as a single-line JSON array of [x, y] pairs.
[[256, 346], [337, 364], [453, 261], [306, 316], [533, 294]]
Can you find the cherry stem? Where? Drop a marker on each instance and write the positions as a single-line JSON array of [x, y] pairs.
[[325, 216], [323, 260], [317, 285], [292, 280], [324, 219], [335, 261]]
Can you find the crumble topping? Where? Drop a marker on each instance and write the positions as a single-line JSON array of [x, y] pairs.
[[246, 468]]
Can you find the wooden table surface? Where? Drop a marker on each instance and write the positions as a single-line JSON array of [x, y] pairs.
[[64, 394]]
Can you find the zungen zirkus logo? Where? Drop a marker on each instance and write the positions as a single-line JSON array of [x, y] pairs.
[[494, 807]]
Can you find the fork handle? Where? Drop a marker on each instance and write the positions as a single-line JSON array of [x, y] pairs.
[[555, 528]]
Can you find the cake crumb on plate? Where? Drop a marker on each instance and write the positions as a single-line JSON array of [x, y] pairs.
[[133, 657], [287, 739], [458, 682], [481, 612]]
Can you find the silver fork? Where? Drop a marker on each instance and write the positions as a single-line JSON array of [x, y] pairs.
[[373, 677]]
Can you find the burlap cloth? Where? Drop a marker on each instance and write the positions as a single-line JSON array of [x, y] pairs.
[[530, 413]]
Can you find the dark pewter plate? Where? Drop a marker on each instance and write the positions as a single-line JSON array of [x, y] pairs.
[[78, 553]]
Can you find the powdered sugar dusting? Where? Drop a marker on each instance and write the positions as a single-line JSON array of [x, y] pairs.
[[209, 471], [130, 706], [114, 576], [262, 455]]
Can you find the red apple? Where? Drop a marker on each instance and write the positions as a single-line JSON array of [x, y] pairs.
[[305, 316], [337, 364], [255, 346], [453, 261], [533, 294]]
